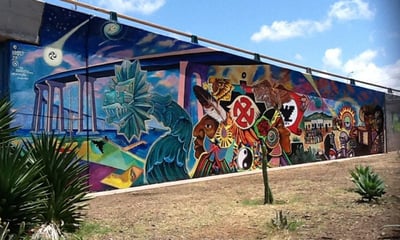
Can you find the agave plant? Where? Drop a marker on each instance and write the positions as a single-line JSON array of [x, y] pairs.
[[42, 182], [368, 183], [66, 177], [5, 233], [3, 230], [6, 118], [22, 191]]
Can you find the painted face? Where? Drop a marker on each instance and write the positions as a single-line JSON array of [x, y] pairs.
[[343, 137], [206, 127], [347, 122]]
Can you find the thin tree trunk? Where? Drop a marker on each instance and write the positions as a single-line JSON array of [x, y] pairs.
[[268, 198]]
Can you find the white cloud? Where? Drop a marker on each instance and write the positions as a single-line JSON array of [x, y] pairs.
[[350, 10], [363, 68], [280, 30], [340, 10], [361, 62], [332, 57], [393, 72], [129, 6], [298, 56]]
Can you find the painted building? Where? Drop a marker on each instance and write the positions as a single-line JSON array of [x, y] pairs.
[[144, 108]]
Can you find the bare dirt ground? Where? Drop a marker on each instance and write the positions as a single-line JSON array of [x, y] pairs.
[[317, 200]]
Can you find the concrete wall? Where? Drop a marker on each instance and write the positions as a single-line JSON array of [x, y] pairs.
[[392, 108], [20, 20]]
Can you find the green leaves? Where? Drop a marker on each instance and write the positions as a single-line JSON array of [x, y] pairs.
[[368, 184], [22, 193], [42, 182], [281, 222], [6, 118], [66, 178]]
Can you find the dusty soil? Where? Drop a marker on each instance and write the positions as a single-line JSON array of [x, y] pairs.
[[318, 201]]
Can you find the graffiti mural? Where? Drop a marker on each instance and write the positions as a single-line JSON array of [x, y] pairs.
[[144, 108]]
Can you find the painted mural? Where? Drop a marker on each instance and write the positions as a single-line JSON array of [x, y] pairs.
[[144, 108]]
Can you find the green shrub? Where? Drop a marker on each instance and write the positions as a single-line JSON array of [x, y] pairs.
[[22, 192], [42, 182], [66, 178], [6, 117], [368, 183], [5, 233], [281, 222]]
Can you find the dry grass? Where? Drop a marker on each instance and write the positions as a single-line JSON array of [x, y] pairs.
[[317, 200]]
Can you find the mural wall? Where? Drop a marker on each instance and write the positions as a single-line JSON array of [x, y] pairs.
[[145, 108]]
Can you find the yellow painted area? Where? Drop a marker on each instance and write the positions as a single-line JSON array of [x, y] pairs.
[[193, 170], [84, 149], [124, 180]]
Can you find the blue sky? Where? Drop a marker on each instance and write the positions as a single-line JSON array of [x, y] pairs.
[[354, 38]]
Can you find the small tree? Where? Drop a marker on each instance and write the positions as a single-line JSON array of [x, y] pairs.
[[368, 184], [268, 198], [261, 128]]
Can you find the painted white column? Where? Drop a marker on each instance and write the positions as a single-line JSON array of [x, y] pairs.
[[81, 80], [37, 111], [50, 104], [89, 83], [60, 114]]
